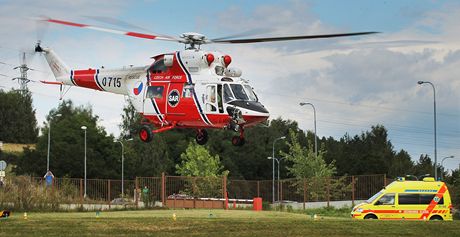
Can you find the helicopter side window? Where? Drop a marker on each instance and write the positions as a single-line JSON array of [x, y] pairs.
[[228, 95], [239, 92], [219, 98], [252, 96], [158, 66], [155, 92], [188, 91], [211, 98]]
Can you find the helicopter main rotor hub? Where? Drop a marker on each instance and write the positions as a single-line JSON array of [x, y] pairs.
[[193, 39]]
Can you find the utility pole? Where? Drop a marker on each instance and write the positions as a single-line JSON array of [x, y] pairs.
[[23, 80]]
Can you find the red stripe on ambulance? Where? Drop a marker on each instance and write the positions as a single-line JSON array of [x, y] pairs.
[[434, 202]]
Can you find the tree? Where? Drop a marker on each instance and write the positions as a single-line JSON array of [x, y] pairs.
[[423, 166], [401, 165], [454, 187], [67, 146], [197, 162], [368, 153], [250, 161], [312, 172], [148, 159], [304, 162], [17, 117]]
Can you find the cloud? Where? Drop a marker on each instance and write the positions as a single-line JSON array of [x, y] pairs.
[[354, 87], [353, 82]]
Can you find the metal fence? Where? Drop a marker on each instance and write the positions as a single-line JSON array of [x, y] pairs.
[[27, 192]]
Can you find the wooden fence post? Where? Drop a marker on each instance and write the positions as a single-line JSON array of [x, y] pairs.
[[224, 189], [108, 191], [163, 188], [258, 188], [136, 192], [281, 192], [328, 191], [304, 193], [353, 191]]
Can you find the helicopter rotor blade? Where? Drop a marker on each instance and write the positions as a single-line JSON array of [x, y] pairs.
[[113, 31], [245, 34], [287, 38], [124, 25]]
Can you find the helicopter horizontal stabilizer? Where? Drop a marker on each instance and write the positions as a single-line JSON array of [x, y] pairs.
[[52, 82]]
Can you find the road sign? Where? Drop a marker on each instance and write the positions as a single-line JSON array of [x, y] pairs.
[[2, 173], [2, 165]]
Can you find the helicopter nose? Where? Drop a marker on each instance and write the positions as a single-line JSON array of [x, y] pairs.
[[252, 107], [255, 119], [253, 112]]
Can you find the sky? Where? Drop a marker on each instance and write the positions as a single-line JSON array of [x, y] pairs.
[[354, 83]]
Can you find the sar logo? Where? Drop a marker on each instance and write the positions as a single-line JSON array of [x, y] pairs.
[[138, 88], [173, 98]]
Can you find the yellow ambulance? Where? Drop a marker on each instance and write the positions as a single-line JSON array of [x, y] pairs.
[[408, 200]]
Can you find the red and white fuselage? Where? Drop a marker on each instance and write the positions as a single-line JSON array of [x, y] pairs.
[[190, 88]]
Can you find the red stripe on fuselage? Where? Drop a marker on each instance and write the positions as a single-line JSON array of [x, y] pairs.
[[85, 78]]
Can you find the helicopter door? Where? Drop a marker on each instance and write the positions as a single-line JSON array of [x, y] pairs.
[[213, 102], [155, 101]]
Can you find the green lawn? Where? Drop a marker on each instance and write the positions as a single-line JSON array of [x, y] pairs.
[[212, 223]]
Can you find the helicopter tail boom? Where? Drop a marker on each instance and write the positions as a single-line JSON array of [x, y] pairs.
[[58, 67]]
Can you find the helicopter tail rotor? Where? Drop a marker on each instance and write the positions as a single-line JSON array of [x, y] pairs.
[[38, 47]]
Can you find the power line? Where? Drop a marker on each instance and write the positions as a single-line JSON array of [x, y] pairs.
[[360, 105]]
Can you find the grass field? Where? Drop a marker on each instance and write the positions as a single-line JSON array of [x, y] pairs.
[[16, 148], [212, 223]]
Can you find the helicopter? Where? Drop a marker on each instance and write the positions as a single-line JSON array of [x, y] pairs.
[[191, 88]]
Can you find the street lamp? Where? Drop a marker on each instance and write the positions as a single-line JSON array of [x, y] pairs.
[[314, 113], [49, 141], [84, 129], [278, 160], [434, 114], [273, 155], [122, 167], [442, 161]]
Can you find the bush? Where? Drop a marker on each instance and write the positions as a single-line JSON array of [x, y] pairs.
[[266, 206], [329, 211], [22, 193]]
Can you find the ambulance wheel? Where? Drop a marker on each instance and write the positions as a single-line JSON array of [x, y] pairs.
[[370, 217], [201, 137], [145, 134], [436, 218], [238, 141]]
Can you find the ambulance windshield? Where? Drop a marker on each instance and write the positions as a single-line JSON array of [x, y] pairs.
[[370, 200]]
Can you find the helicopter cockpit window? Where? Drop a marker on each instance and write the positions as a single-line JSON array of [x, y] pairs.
[[239, 92], [252, 96], [155, 92], [228, 95], [188, 91], [158, 67]]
